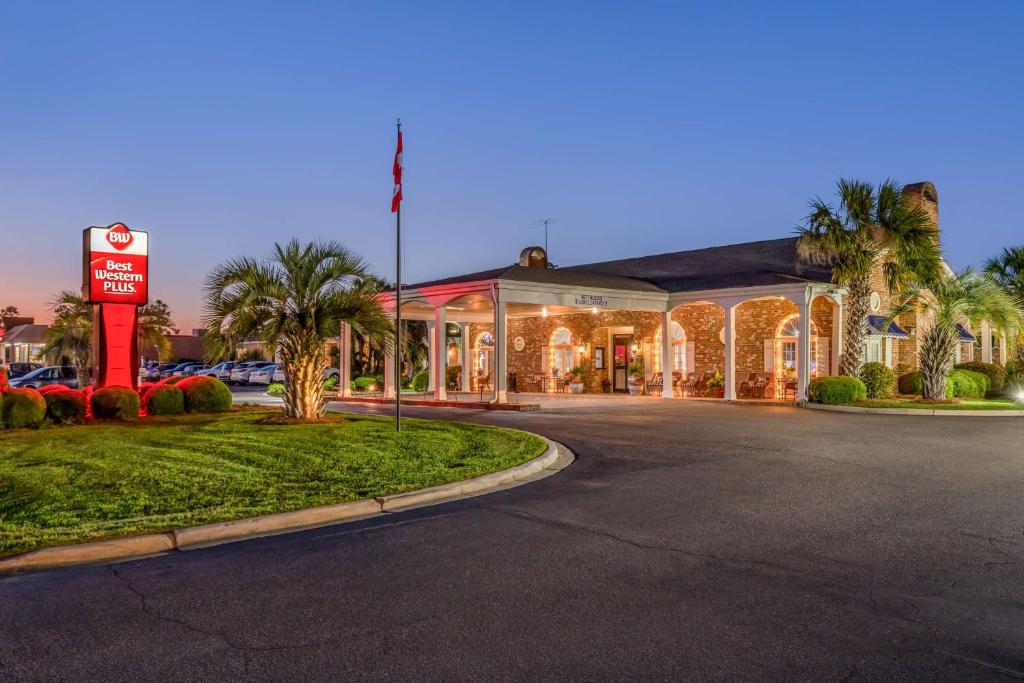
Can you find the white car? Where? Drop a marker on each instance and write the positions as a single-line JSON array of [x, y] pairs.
[[262, 375], [221, 371], [240, 373], [279, 375]]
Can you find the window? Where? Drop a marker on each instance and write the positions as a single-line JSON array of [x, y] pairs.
[[678, 353], [786, 349], [484, 353], [560, 348]]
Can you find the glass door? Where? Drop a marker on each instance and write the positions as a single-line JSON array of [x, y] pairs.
[[620, 361]]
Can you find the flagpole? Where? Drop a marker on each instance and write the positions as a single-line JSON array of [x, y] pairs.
[[398, 304]]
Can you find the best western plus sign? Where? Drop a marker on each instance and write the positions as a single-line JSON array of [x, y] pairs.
[[117, 268], [115, 280]]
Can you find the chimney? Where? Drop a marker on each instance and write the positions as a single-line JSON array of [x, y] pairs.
[[925, 195], [533, 257]]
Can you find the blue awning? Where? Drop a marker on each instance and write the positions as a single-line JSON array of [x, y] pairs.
[[964, 334], [876, 322]]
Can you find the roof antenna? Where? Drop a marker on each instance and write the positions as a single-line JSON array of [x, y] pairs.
[[545, 221]]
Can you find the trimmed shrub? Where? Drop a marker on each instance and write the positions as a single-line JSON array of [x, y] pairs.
[[5, 386], [206, 395], [912, 384], [65, 407], [836, 390], [995, 373], [879, 380], [276, 389], [23, 408], [364, 383], [965, 386], [421, 381], [2, 408], [982, 380], [115, 403], [172, 380], [144, 387], [1014, 374], [330, 383], [50, 388], [165, 400]]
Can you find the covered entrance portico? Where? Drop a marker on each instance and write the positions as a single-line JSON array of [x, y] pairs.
[[541, 330]]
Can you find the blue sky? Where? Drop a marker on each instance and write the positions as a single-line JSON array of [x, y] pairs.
[[640, 127]]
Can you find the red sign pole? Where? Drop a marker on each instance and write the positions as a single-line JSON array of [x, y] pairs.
[[116, 281]]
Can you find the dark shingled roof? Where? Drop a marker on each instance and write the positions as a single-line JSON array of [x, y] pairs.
[[769, 262]]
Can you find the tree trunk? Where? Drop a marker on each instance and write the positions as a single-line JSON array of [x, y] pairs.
[[937, 355], [303, 388], [858, 300]]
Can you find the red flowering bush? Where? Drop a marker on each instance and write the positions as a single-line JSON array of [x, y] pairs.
[[164, 400], [65, 407], [23, 408], [205, 395], [115, 403]]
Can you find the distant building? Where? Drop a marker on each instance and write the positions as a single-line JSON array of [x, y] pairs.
[[23, 343]]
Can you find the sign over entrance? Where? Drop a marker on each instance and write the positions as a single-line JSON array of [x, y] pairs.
[[116, 265], [591, 300]]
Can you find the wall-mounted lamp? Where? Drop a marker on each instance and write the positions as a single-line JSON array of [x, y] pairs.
[[593, 309], [544, 312], [635, 348], [582, 349]]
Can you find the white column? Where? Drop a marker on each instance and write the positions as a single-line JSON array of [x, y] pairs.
[[666, 354], [1002, 349], [730, 351], [803, 351], [389, 375], [500, 361], [345, 360], [439, 364], [837, 336], [986, 342], [431, 360], [467, 359]]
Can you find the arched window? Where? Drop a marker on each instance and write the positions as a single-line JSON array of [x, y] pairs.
[[678, 339], [785, 346], [483, 353], [561, 351]]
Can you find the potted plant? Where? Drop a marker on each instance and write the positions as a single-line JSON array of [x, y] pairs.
[[716, 385], [635, 383], [576, 386]]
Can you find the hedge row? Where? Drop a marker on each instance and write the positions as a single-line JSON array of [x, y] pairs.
[[58, 404]]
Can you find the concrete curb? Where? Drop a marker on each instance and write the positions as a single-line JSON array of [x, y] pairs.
[[554, 459], [931, 412]]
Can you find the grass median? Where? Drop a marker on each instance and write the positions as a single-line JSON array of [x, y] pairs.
[[73, 484], [962, 404]]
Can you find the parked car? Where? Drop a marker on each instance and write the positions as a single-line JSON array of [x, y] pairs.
[[195, 369], [221, 371], [177, 369], [278, 377], [155, 372], [262, 375], [240, 373], [50, 374], [332, 372], [21, 369]]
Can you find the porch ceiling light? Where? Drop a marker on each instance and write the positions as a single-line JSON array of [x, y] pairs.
[[593, 309], [582, 348], [544, 312]]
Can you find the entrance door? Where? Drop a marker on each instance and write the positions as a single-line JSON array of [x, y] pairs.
[[620, 361]]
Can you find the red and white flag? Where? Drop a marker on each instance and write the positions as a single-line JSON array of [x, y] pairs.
[[396, 198]]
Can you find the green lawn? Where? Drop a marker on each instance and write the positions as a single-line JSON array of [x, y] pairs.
[[70, 484], [964, 404]]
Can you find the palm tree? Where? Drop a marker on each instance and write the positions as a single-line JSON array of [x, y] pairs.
[[956, 299], [1007, 270], [873, 229], [294, 302], [70, 333]]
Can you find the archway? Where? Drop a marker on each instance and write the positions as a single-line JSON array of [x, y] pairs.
[[678, 354], [785, 348], [561, 352]]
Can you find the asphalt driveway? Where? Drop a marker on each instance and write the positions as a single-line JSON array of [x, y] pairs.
[[688, 541]]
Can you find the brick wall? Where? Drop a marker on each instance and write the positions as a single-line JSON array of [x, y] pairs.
[[702, 323]]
